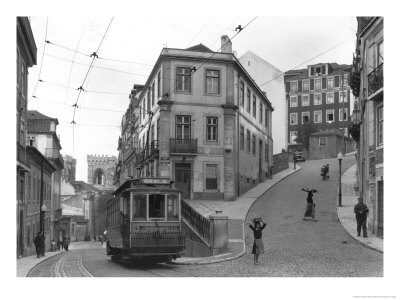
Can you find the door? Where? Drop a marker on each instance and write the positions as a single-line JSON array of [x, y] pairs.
[[182, 179], [21, 236], [260, 169], [380, 209]]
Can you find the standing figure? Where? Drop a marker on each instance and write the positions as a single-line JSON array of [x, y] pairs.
[[66, 243], [294, 160], [61, 243], [38, 244], [310, 209], [327, 171], [361, 210], [53, 245], [270, 172], [258, 246], [323, 173]]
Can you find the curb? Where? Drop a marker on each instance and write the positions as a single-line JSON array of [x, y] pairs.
[[298, 168], [38, 263]]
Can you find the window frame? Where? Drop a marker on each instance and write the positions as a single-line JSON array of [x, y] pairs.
[[326, 142], [292, 141], [305, 113], [211, 126], [379, 131], [241, 138], [216, 177], [254, 106], [308, 85], [290, 118], [253, 143], [345, 98], [319, 113], [318, 80], [315, 97], [341, 119], [183, 124], [183, 75], [332, 80], [292, 83], [302, 100], [333, 97], [241, 93], [330, 112], [248, 100], [292, 102], [248, 145], [207, 76]]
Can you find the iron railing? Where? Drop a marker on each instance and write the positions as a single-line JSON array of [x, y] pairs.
[[158, 239], [183, 145], [196, 220], [375, 80]]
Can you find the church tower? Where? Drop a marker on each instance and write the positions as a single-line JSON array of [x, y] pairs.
[[101, 169]]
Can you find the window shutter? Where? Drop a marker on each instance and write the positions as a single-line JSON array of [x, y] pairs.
[[299, 86], [323, 98], [323, 70], [324, 83], [312, 71], [336, 97], [311, 99], [336, 81], [311, 84]]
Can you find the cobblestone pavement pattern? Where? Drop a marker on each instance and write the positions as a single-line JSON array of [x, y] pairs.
[[294, 248]]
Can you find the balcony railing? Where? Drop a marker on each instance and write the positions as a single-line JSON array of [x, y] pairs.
[[375, 80], [152, 149], [196, 220], [183, 145]]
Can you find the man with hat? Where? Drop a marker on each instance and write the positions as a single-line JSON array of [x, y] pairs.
[[38, 244], [361, 210]]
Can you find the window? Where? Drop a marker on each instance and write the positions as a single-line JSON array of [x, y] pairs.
[[261, 112], [341, 80], [157, 207], [317, 99], [317, 84], [211, 177], [380, 54], [342, 95], [293, 137], [293, 119], [241, 137], [305, 100], [318, 116], [253, 141], [330, 82], [380, 126], [159, 84], [345, 131], [241, 94], [172, 208], [266, 117], [183, 127], [330, 115], [183, 79], [318, 71], [254, 106], [341, 116], [293, 101], [212, 81], [293, 86], [322, 141], [266, 153], [148, 100], [305, 117], [248, 140], [212, 129], [371, 59], [158, 130], [329, 98], [248, 100], [306, 85], [152, 94]]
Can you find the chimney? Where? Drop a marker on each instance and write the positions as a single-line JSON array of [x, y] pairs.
[[226, 44]]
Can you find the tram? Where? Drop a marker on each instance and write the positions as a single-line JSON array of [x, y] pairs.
[[144, 221]]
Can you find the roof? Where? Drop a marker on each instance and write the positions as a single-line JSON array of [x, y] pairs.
[[328, 133], [35, 115], [85, 186], [200, 47], [303, 73]]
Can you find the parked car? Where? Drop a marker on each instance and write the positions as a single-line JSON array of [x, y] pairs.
[[299, 156]]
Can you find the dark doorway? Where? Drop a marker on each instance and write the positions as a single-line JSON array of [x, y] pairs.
[[260, 169], [380, 209], [182, 179], [21, 236]]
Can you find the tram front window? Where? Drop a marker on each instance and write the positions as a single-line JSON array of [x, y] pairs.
[[139, 208], [172, 208], [157, 207]]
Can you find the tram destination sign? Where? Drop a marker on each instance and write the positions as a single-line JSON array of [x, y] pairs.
[[154, 181]]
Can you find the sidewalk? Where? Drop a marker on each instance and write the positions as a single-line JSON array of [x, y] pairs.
[[346, 211], [236, 211], [25, 264]]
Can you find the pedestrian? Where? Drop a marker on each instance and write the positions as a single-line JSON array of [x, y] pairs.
[[61, 244], [38, 244], [361, 210], [294, 160], [310, 208], [258, 247], [101, 240], [327, 171], [53, 245], [323, 174], [270, 172], [66, 243]]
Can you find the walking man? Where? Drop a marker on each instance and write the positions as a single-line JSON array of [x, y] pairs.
[[38, 244], [361, 210]]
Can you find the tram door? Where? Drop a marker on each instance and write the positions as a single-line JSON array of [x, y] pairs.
[[182, 179], [126, 222]]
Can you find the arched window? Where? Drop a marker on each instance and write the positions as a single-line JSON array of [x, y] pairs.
[[100, 178]]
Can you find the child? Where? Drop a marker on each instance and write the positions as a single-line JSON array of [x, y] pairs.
[[258, 246]]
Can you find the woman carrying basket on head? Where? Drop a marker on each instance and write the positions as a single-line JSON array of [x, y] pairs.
[[258, 247]]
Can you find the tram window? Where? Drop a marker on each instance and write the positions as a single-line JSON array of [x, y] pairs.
[[139, 208], [172, 208], [157, 206]]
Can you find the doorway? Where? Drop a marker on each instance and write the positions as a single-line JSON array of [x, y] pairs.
[[260, 169], [182, 179], [380, 209]]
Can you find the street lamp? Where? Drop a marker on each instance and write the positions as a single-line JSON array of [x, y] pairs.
[[42, 213], [340, 157]]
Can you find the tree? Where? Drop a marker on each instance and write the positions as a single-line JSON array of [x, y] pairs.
[[303, 134]]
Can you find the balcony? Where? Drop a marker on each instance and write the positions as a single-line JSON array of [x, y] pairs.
[[21, 154], [184, 146], [375, 80]]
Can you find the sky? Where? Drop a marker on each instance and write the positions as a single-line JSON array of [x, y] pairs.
[[285, 42]]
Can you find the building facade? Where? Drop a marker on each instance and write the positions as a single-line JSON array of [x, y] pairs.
[[38, 200], [271, 81], [367, 85], [42, 134], [26, 58], [69, 171], [318, 99], [200, 120]]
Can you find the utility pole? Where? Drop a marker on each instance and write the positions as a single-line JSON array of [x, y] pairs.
[[343, 97]]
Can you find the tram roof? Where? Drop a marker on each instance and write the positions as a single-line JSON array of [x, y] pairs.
[[146, 184]]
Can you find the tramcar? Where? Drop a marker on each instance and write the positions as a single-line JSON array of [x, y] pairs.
[[144, 221]]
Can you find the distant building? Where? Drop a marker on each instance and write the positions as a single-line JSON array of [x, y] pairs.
[[101, 169], [69, 171], [318, 98], [270, 79], [200, 120], [26, 58], [42, 134], [368, 119], [327, 144]]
